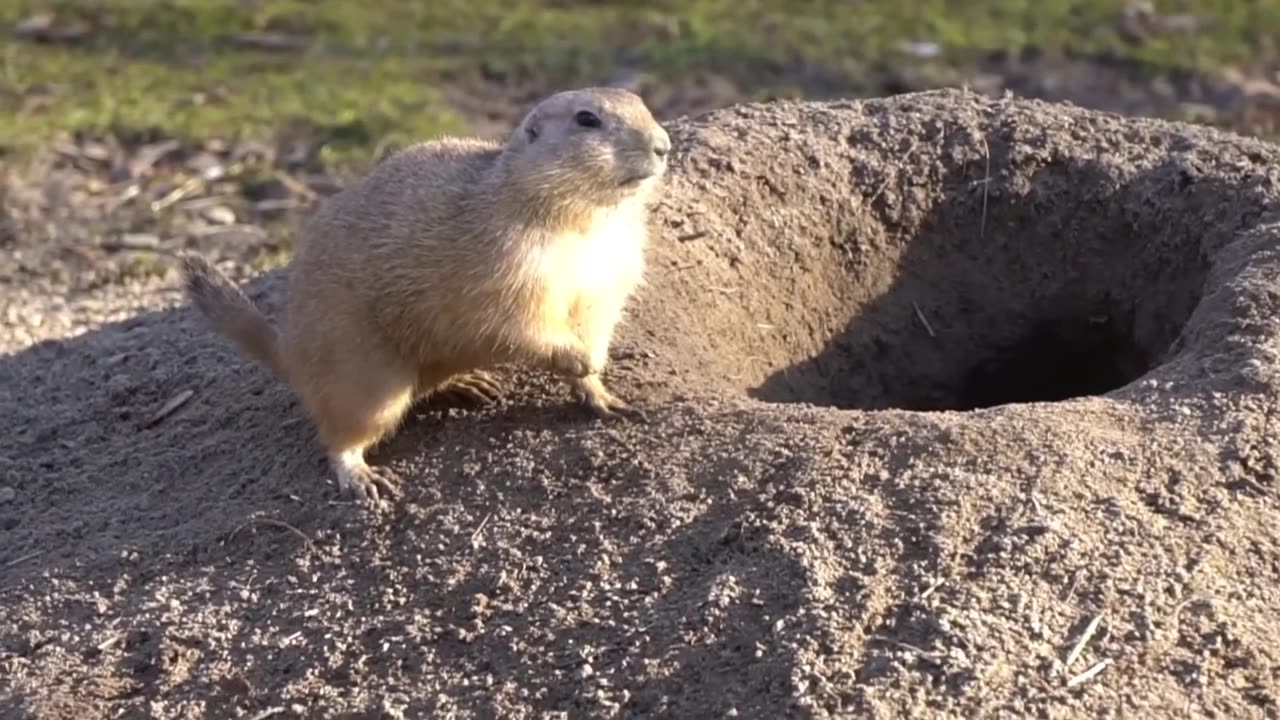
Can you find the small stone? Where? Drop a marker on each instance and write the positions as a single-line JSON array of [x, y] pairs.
[[220, 215], [7, 495], [139, 241]]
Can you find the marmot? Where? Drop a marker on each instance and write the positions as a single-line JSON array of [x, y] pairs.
[[452, 256]]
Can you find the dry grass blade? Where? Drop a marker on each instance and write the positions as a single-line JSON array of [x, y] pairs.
[[920, 314], [1085, 636], [480, 528], [1090, 673], [986, 188], [177, 194], [932, 587], [306, 540], [935, 657], [24, 558], [170, 407]]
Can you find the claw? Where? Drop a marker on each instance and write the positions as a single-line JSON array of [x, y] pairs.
[[366, 484], [604, 404], [471, 389]]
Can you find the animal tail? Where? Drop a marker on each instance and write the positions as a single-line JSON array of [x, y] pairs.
[[231, 312]]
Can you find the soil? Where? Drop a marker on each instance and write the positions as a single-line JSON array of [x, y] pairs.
[[956, 406]]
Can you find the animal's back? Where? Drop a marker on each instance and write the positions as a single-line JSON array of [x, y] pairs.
[[417, 194], [383, 242]]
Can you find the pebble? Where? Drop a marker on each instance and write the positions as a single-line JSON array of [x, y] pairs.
[[139, 241], [220, 215], [7, 495]]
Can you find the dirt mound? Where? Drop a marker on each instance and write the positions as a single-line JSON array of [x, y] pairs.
[[832, 509]]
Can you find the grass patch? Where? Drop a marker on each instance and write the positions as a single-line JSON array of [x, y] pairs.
[[370, 72]]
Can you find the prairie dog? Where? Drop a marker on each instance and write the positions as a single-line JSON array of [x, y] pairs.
[[450, 257]]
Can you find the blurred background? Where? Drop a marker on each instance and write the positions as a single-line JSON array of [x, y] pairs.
[[131, 128]]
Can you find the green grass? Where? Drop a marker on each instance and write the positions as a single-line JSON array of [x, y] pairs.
[[372, 69]]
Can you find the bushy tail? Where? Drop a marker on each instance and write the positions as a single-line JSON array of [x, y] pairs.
[[231, 312]]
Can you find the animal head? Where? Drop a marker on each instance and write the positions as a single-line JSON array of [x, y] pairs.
[[589, 147]]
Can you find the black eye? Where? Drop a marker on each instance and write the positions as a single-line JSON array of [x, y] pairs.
[[586, 118]]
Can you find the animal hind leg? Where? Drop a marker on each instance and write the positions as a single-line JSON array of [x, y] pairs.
[[356, 405]]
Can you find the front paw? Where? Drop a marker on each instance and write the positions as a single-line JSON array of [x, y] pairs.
[[571, 361], [591, 392], [368, 486]]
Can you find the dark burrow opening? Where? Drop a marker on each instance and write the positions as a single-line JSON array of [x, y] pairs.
[[1078, 286], [1058, 358]]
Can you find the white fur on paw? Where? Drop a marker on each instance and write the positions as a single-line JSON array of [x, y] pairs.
[[367, 484]]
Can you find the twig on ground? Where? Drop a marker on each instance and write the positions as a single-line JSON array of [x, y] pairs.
[[927, 327], [750, 360], [194, 183], [177, 194], [275, 523], [929, 590], [1071, 589], [296, 187], [170, 407], [1084, 638], [480, 528], [986, 188], [936, 657], [1090, 673], [24, 558], [1182, 604]]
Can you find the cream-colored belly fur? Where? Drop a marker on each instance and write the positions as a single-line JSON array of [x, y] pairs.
[[592, 274]]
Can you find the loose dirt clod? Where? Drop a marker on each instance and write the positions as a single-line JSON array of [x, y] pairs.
[[1091, 423]]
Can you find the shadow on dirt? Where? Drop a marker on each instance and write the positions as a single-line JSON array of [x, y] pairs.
[[177, 513], [1077, 284]]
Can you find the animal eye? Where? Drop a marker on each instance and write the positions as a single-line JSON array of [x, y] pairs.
[[586, 118]]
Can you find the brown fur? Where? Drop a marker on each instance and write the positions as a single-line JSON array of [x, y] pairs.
[[453, 256]]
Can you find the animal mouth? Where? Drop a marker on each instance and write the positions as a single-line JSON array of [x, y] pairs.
[[640, 171], [635, 179]]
